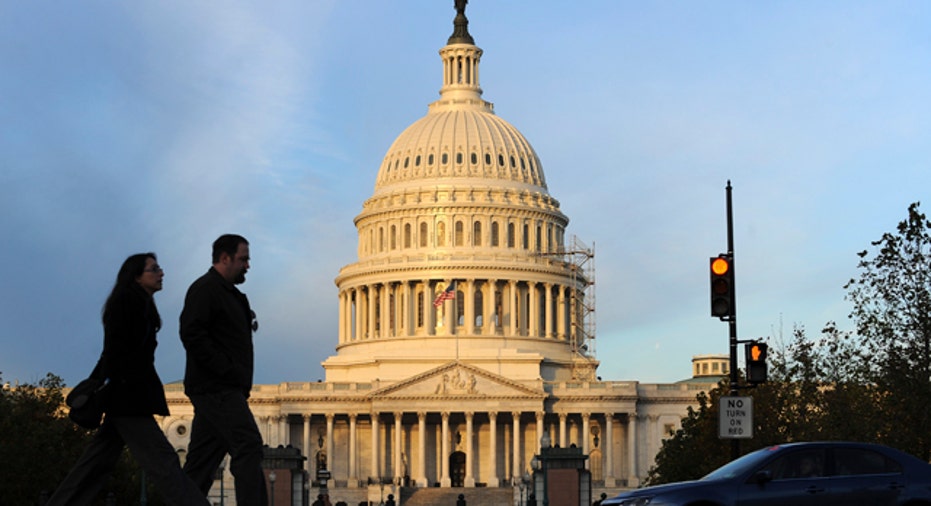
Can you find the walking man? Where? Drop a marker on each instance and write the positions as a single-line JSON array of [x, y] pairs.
[[216, 330]]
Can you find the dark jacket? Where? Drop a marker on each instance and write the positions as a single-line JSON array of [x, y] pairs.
[[128, 357], [216, 329]]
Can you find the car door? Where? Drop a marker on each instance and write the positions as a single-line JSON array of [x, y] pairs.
[[796, 478], [864, 477]]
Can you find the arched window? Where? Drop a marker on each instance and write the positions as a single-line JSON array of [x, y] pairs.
[[525, 237], [440, 234], [381, 239], [477, 233], [494, 234], [423, 234], [459, 234], [407, 235], [394, 237], [538, 241], [510, 235]]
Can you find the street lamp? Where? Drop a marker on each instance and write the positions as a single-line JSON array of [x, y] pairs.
[[544, 449], [220, 477], [271, 478]]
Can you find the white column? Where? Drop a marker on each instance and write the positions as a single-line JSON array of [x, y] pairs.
[[586, 428], [516, 467], [410, 306], [632, 479], [422, 450], [488, 314], [398, 471], [610, 480], [449, 312], [562, 430], [493, 449], [469, 306], [384, 311], [283, 431], [306, 442], [353, 467], [533, 315], [470, 451], [375, 472], [561, 314], [548, 310], [429, 317], [360, 314], [444, 454], [372, 306], [512, 308], [540, 430], [329, 442]]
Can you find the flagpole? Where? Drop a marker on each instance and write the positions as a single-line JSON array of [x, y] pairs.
[[455, 327]]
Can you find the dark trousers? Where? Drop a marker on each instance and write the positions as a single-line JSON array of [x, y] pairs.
[[151, 450], [224, 424]]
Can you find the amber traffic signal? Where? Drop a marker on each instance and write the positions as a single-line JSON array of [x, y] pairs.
[[722, 286], [756, 361]]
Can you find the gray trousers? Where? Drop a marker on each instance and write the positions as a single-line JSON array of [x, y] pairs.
[[149, 447]]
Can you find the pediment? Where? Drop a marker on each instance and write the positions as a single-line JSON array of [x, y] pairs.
[[458, 380]]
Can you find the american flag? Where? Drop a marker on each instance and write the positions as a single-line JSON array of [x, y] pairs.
[[445, 295]]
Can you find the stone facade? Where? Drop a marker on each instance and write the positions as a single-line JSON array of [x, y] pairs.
[[465, 325]]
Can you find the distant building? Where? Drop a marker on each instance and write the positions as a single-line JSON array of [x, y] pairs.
[[466, 326]]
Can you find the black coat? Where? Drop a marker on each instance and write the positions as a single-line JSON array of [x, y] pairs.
[[129, 343], [216, 329]]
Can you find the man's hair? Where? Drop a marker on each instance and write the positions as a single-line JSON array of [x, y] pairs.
[[227, 243]]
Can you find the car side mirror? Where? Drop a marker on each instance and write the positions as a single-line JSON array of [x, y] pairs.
[[762, 477]]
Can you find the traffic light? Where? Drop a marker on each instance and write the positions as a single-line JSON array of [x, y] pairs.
[[756, 362], [722, 286]]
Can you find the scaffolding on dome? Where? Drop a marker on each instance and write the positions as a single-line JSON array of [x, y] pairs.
[[579, 259]]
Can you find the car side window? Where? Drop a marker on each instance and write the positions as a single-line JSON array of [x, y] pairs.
[[857, 461], [798, 465]]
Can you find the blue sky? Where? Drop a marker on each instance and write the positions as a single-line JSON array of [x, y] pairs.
[[158, 125]]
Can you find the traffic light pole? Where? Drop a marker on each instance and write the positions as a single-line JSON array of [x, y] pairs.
[[732, 320]]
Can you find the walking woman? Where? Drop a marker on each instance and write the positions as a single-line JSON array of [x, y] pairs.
[[134, 394]]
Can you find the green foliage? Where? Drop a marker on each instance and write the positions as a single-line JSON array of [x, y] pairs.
[[40, 444], [892, 311], [873, 385]]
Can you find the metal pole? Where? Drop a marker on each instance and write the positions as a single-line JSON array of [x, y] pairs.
[[732, 319]]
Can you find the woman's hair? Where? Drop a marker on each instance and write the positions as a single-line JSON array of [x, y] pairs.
[[131, 269]]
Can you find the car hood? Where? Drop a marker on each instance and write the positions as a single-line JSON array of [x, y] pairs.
[[663, 489]]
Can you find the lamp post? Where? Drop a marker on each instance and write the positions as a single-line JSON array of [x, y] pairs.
[[271, 478], [222, 492], [544, 449]]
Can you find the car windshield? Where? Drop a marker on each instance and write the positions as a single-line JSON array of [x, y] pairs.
[[741, 465]]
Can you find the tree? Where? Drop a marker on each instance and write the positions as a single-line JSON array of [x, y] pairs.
[[892, 310], [40, 443], [871, 385]]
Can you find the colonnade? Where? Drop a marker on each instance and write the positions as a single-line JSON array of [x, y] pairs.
[[396, 435], [487, 307]]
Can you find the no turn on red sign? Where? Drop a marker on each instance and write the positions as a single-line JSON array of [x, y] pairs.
[[735, 420]]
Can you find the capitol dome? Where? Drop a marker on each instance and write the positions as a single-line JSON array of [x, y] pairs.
[[461, 249]]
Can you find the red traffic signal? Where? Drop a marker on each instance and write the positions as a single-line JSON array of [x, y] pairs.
[[756, 362], [722, 286]]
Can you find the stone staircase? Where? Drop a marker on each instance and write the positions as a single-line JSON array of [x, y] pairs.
[[478, 496]]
